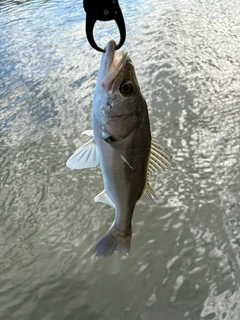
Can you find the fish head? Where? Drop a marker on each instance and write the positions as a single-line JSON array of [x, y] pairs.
[[118, 102]]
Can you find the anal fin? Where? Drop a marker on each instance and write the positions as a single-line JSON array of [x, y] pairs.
[[103, 197], [88, 133]]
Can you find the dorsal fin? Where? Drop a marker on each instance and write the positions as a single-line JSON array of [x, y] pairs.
[[148, 196], [159, 159]]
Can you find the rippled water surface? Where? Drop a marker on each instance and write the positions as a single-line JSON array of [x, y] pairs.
[[185, 258]]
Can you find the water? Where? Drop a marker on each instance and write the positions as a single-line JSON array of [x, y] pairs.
[[185, 258]]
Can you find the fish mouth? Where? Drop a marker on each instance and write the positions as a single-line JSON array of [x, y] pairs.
[[113, 63]]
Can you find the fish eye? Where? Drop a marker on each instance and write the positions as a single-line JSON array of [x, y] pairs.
[[126, 87]]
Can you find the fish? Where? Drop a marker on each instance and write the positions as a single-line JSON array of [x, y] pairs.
[[121, 143]]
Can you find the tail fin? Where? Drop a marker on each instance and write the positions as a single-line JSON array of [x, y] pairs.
[[113, 240]]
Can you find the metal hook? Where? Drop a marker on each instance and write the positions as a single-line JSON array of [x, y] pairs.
[[104, 10]]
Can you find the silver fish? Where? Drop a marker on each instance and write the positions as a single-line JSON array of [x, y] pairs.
[[122, 145]]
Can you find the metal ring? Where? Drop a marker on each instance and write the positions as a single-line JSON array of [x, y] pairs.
[[90, 22]]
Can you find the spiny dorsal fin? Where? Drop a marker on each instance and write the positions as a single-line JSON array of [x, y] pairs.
[[148, 196], [86, 156], [103, 197], [159, 159]]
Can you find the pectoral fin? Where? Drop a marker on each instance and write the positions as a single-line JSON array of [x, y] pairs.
[[109, 140], [86, 156]]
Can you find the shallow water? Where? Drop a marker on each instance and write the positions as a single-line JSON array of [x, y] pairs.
[[185, 258]]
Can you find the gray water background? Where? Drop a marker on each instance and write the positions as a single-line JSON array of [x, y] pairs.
[[185, 260]]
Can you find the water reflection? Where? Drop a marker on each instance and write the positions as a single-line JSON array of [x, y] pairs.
[[185, 261]]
